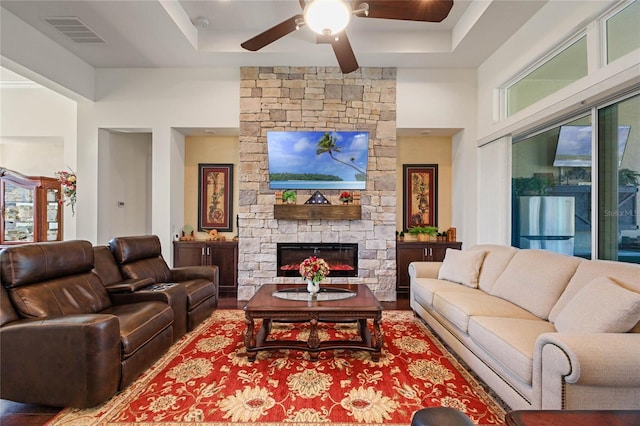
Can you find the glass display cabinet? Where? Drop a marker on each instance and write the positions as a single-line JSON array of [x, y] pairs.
[[31, 209]]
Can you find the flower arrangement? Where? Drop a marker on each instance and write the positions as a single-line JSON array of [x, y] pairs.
[[346, 197], [68, 180], [314, 269]]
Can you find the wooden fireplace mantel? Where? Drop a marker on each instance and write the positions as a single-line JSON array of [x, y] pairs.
[[317, 211]]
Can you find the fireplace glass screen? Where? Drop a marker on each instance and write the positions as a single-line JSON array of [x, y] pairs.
[[341, 257]]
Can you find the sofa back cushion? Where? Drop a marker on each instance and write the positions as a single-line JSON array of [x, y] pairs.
[[461, 267], [495, 261], [535, 279], [32, 263], [75, 294], [52, 279], [154, 267], [130, 249], [105, 266], [627, 273], [7, 312], [602, 306], [140, 257]]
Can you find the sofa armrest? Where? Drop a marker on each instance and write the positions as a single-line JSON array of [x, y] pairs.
[[66, 361], [597, 359], [185, 273], [129, 286], [424, 269]]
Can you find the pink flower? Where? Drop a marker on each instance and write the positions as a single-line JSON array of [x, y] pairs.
[[314, 269]]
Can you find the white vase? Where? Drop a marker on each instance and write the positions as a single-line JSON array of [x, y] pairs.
[[313, 287]]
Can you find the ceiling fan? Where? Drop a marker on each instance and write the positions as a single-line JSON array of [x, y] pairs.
[[329, 18]]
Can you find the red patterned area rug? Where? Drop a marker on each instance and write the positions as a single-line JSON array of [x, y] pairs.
[[206, 379]]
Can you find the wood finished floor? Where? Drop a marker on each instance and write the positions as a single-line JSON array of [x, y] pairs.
[[17, 414]]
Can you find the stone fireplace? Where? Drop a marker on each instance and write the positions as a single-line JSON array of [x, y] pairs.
[[341, 258], [317, 98]]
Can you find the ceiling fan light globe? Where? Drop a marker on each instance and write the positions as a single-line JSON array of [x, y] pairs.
[[327, 16]]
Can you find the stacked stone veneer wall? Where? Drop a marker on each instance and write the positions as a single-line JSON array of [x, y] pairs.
[[317, 98]]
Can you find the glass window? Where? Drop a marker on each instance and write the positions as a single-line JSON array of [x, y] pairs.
[[552, 189], [567, 66], [554, 176], [623, 32], [619, 180]]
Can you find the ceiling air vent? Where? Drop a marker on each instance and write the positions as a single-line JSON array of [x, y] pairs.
[[75, 29]]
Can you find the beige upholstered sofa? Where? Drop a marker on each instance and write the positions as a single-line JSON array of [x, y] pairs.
[[544, 330]]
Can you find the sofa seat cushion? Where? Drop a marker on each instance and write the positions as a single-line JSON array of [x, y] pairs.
[[511, 341], [425, 288], [458, 307], [140, 323], [198, 291], [535, 279]]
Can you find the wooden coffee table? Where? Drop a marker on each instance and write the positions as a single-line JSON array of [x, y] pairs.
[[293, 304]]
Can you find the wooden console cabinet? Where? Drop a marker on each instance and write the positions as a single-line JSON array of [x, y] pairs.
[[223, 254], [414, 251]]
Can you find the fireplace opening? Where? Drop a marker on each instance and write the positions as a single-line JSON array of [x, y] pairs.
[[341, 257]]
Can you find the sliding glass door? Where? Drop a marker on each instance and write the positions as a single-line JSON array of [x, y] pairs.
[[552, 189], [619, 180], [560, 173]]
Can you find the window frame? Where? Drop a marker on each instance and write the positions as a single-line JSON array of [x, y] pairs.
[[534, 66]]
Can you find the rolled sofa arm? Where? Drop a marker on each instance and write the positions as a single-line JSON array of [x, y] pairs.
[[597, 359], [424, 269], [185, 273], [70, 361]]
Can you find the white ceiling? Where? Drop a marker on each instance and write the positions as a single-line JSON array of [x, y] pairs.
[[160, 33]]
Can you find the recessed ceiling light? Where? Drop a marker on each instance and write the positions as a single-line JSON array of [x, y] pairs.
[[425, 132], [209, 132]]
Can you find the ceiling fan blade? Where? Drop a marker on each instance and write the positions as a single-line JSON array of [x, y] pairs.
[[408, 10], [272, 34], [344, 54]]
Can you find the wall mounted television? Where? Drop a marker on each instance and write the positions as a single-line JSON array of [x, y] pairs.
[[574, 146], [317, 159]]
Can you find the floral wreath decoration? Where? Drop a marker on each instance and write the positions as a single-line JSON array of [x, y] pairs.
[[68, 181]]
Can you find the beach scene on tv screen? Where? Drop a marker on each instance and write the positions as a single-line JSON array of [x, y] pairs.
[[317, 159]]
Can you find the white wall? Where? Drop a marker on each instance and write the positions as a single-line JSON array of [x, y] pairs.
[[32, 156], [159, 101], [39, 117], [446, 98], [128, 181]]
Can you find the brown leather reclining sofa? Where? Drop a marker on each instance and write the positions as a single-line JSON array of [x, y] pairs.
[[140, 257], [65, 341]]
